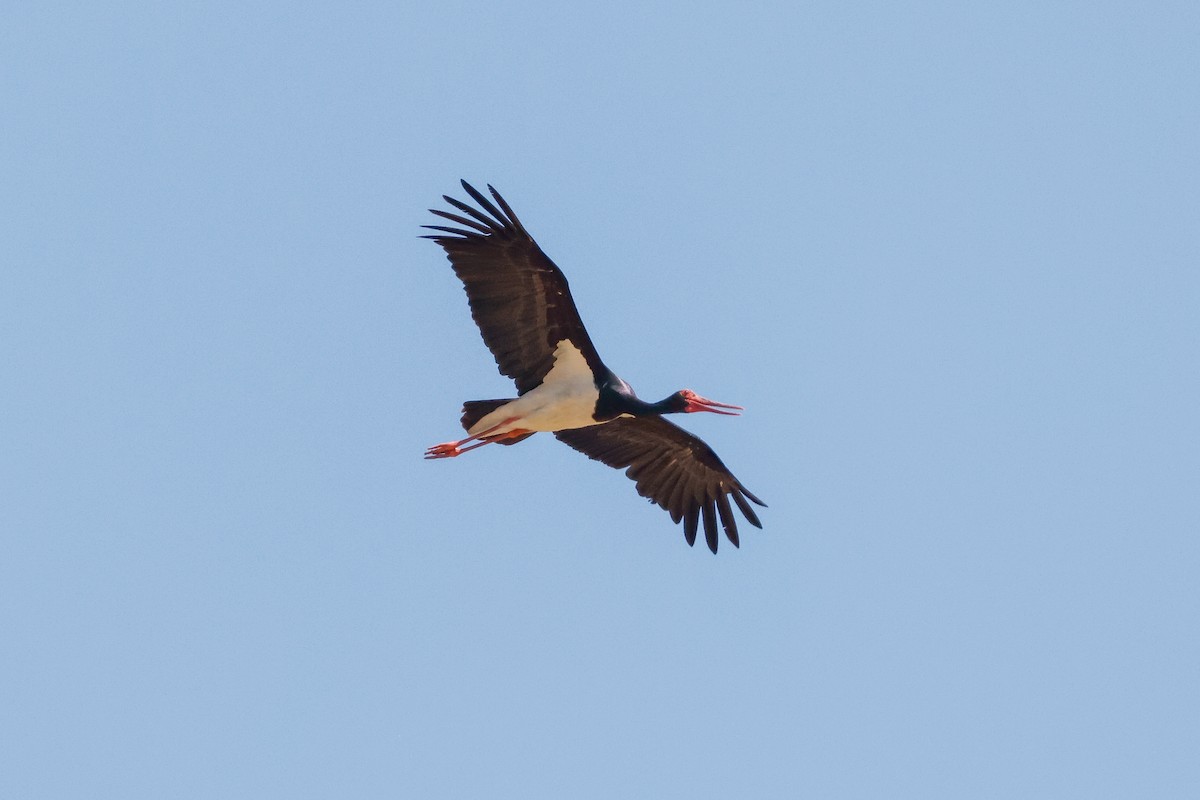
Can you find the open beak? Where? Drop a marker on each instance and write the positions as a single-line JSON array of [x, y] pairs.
[[697, 403]]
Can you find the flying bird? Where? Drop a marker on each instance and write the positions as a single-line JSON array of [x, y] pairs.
[[523, 307]]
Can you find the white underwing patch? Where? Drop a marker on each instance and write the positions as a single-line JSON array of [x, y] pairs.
[[565, 399]]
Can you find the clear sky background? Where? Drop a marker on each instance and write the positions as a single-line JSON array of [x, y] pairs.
[[945, 254]]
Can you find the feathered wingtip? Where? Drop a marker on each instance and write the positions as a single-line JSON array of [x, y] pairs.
[[502, 221]]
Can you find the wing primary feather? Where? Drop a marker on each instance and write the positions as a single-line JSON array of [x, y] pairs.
[[458, 232], [492, 225], [710, 524], [516, 223], [689, 525], [728, 521], [745, 507], [749, 494], [483, 201], [460, 220]]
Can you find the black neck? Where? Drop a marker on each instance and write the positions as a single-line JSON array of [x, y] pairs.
[[620, 399]]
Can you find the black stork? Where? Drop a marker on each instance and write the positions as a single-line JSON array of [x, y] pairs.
[[521, 303]]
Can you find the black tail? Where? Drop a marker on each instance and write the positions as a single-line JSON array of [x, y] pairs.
[[475, 410]]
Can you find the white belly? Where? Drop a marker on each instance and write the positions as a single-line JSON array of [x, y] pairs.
[[566, 399]]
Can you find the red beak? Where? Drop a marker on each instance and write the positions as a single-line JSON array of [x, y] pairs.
[[697, 403]]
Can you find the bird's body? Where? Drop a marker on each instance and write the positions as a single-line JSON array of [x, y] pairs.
[[524, 310], [565, 399]]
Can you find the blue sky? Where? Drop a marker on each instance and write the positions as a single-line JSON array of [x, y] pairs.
[[945, 255]]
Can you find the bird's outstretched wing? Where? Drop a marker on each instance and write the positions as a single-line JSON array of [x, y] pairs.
[[518, 297], [672, 468]]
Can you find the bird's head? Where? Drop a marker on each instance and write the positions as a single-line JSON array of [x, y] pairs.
[[689, 402]]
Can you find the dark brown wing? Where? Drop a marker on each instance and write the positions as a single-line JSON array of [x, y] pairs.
[[672, 468], [518, 297]]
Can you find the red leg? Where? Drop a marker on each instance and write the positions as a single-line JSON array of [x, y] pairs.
[[452, 449]]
